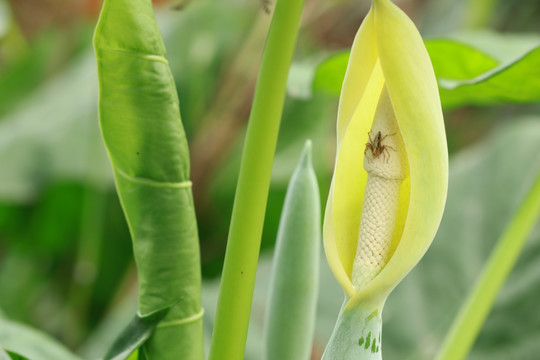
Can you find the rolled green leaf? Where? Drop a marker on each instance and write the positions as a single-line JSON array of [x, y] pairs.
[[290, 319], [141, 125]]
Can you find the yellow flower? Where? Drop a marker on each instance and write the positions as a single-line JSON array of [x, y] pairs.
[[391, 174]]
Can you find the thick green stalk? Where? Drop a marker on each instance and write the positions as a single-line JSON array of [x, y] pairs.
[[140, 122], [475, 310], [290, 319], [238, 279], [357, 334]]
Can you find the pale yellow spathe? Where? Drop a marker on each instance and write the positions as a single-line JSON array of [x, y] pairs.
[[388, 52]]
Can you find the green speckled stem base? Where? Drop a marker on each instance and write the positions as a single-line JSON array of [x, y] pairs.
[[357, 335]]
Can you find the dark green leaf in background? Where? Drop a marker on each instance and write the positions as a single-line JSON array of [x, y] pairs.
[[15, 356], [329, 74], [456, 60], [516, 82]]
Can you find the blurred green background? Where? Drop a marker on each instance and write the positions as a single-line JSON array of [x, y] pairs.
[[66, 265]]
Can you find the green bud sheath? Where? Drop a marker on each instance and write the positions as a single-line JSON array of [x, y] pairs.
[[290, 319]]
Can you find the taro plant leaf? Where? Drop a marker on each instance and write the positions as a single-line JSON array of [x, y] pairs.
[[31, 343], [135, 334], [290, 317], [329, 74], [466, 75], [515, 82], [141, 125]]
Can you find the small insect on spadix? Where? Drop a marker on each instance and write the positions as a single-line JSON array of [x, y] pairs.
[[377, 148]]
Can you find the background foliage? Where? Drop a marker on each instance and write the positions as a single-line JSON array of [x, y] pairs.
[[66, 263]]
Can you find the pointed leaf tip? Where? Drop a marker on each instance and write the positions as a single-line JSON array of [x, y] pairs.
[[305, 157]]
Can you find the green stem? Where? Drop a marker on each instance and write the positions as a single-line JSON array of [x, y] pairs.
[[475, 310], [357, 334], [234, 303]]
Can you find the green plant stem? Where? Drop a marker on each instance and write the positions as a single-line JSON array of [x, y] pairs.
[[238, 279], [475, 310], [357, 334]]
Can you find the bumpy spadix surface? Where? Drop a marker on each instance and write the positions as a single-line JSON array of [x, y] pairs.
[[384, 162]]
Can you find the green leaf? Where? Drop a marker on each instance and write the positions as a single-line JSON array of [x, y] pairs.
[[15, 356], [467, 61], [330, 73], [143, 133], [135, 334], [515, 82], [466, 75], [290, 318], [30, 343]]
